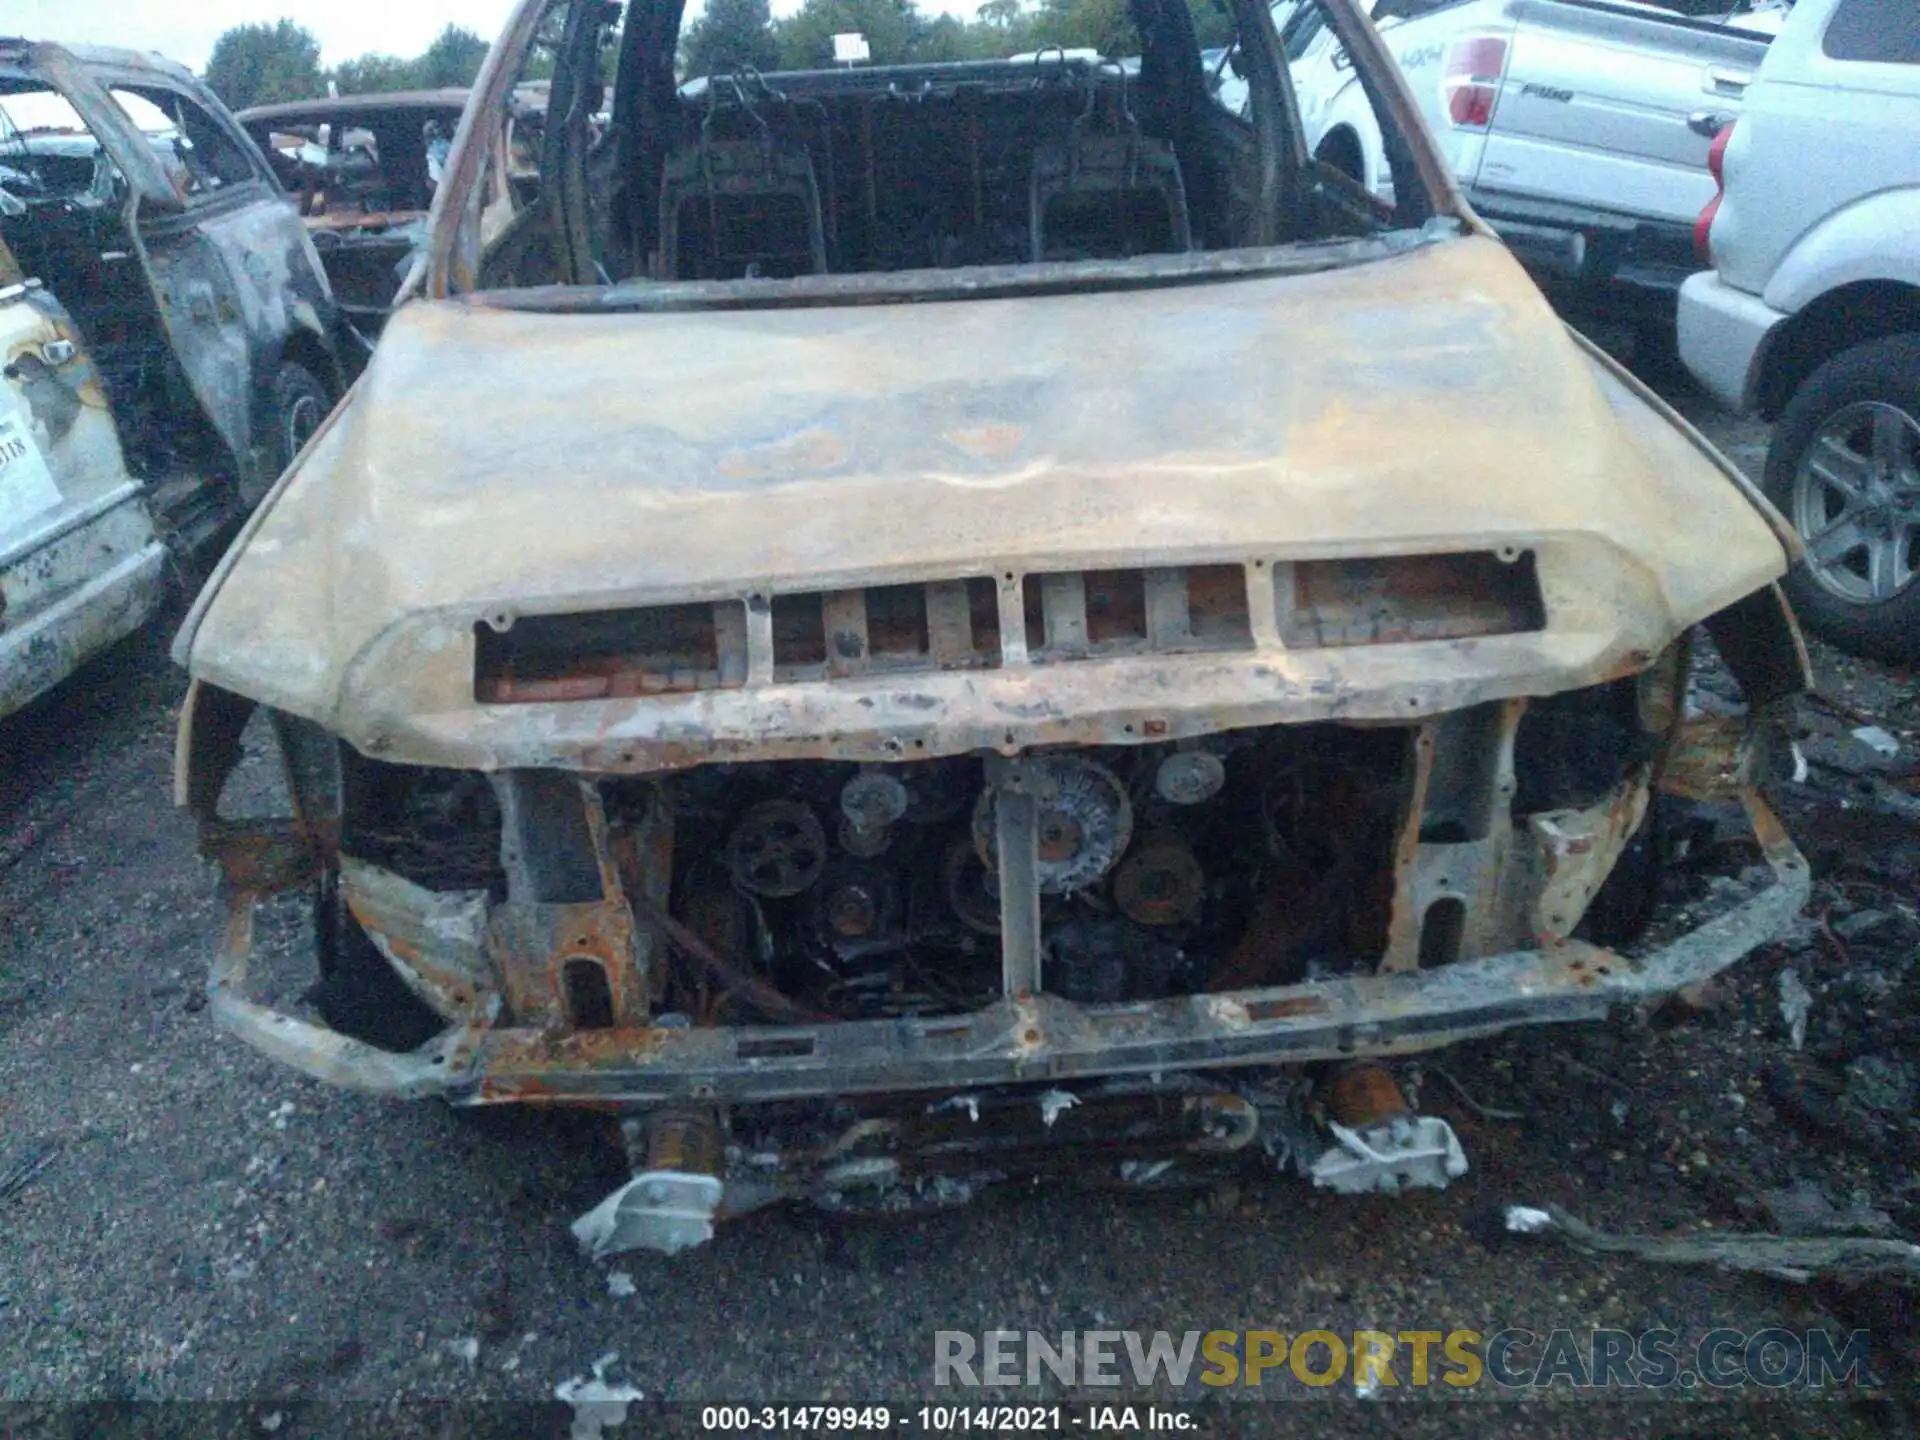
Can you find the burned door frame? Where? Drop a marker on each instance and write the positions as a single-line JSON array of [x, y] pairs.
[[237, 285]]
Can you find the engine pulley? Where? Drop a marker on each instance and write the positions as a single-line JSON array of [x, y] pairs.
[[855, 900], [778, 849], [1188, 777], [1160, 882], [1084, 821]]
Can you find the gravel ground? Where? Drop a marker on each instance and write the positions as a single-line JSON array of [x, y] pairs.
[[211, 1228]]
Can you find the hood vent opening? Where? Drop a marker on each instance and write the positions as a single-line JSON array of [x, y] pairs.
[[1331, 604], [955, 624], [612, 654], [943, 625], [1090, 614]]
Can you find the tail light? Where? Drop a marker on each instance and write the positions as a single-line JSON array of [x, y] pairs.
[[1473, 79], [1716, 167]]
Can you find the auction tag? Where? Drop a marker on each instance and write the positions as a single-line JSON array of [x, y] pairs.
[[26, 485]]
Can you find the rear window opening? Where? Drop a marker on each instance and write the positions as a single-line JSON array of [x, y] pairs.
[[1179, 142]]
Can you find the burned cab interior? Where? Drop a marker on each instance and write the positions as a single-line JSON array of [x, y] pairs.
[[1054, 156], [363, 171]]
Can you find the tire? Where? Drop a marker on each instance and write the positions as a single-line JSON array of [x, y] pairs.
[[358, 994], [296, 403], [1341, 151], [1656, 350], [1621, 908], [1844, 468]]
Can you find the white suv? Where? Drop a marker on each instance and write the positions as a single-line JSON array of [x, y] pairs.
[[1811, 315]]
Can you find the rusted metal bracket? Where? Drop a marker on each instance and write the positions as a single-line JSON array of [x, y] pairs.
[[1017, 839]]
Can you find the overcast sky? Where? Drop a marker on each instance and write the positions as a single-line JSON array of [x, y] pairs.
[[185, 30]]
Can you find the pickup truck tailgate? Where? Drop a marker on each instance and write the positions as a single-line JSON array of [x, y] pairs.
[[1610, 105]]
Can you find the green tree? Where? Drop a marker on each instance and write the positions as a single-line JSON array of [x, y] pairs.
[[1103, 25], [893, 29], [944, 38], [453, 59], [731, 33], [375, 74], [259, 64], [1213, 22]]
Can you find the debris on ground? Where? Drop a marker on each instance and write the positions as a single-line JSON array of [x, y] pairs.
[[19, 1173], [1880, 741], [1796, 1258], [1796, 1003], [597, 1406]]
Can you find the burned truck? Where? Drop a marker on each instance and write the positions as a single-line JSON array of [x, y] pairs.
[[363, 170], [903, 627], [168, 342]]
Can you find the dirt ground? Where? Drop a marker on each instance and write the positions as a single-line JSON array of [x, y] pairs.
[[204, 1226]]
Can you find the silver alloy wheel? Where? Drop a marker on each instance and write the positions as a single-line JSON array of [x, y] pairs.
[[1856, 502], [303, 417]]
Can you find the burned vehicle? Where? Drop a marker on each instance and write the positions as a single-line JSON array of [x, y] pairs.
[[901, 627], [168, 343], [363, 170], [81, 564]]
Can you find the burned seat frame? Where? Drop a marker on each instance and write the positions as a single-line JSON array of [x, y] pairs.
[[743, 172], [1105, 156]]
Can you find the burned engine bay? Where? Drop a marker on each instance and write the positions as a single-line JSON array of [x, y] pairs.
[[997, 719], [863, 892], [777, 905]]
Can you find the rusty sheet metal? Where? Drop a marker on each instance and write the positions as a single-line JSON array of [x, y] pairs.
[[1246, 423], [313, 1049], [1712, 757], [435, 942], [1403, 927], [1025, 1037], [1579, 849], [263, 856]]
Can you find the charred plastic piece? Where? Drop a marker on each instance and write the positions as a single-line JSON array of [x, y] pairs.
[[1380, 1144]]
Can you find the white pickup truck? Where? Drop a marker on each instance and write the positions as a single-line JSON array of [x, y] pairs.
[[1578, 128]]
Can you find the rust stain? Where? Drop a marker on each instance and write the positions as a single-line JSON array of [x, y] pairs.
[[1282, 1009], [815, 448], [987, 442]]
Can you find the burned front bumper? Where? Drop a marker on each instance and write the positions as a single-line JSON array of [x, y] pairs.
[[1021, 1039]]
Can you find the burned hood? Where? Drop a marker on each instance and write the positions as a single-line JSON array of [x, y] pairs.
[[497, 463]]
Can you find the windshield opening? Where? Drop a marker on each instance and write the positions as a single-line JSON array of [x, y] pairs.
[[634, 154]]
